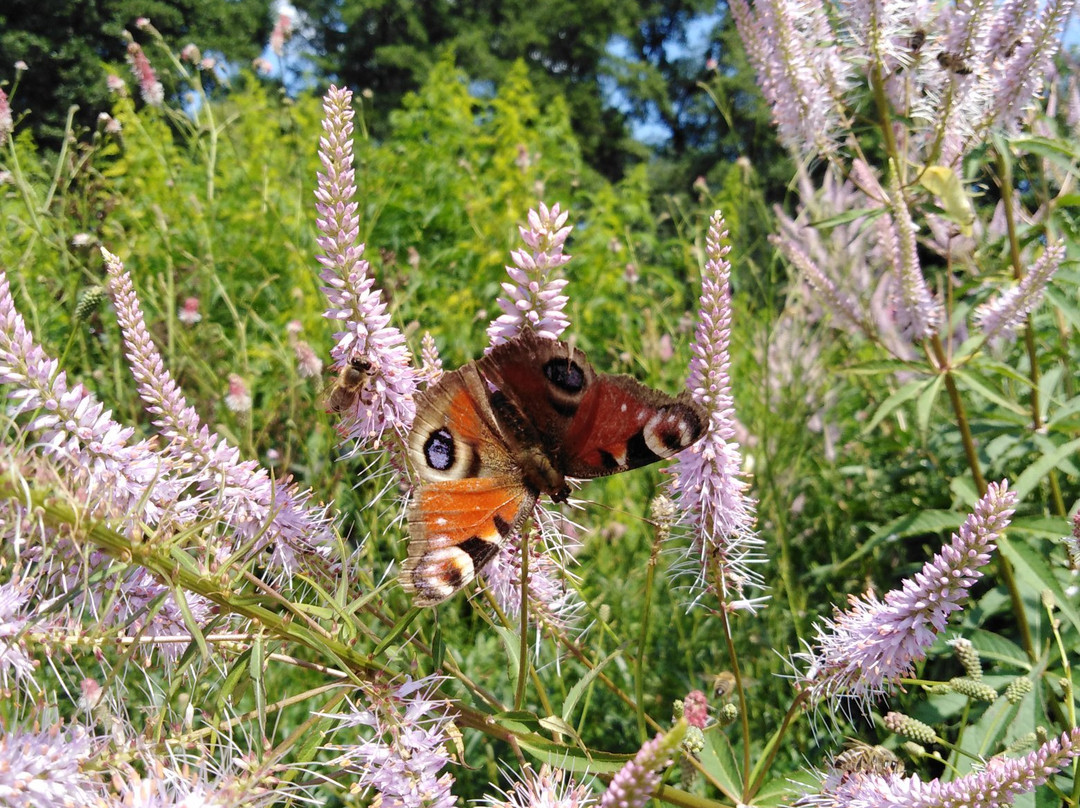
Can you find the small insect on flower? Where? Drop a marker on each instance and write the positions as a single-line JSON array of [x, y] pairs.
[[954, 62], [350, 381], [862, 758]]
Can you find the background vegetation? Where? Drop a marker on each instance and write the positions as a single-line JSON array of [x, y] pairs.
[[472, 120]]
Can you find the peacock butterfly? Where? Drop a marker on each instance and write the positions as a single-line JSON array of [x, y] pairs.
[[492, 436]]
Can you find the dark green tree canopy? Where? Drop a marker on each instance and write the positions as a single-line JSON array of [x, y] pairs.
[[65, 44]]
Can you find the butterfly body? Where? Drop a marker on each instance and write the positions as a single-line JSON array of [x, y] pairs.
[[492, 436]]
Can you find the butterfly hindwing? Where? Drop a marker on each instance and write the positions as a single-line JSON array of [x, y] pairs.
[[471, 494], [456, 527]]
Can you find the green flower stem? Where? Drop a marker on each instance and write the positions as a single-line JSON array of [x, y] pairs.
[[1004, 567], [639, 662], [523, 651], [1005, 169]]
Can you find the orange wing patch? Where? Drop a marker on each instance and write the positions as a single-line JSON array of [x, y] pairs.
[[457, 526]]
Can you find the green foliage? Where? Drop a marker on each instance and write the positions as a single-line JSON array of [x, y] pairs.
[[389, 48]]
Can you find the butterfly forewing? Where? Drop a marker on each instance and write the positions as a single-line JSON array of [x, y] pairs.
[[621, 424]]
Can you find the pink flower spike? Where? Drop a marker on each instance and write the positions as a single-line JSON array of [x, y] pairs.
[[152, 91], [409, 747], [708, 488], [386, 401], [861, 651], [548, 788], [637, 781], [534, 300], [918, 315], [244, 496], [7, 123]]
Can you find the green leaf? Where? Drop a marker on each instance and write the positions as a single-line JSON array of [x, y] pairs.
[[718, 759], [1035, 473], [571, 759], [963, 488], [1033, 568], [1067, 410], [905, 393], [438, 649], [1065, 305], [879, 367], [255, 667], [972, 382], [994, 646], [519, 720], [1046, 444], [553, 723], [943, 183], [848, 216], [578, 690], [1043, 527], [512, 643], [190, 623], [1048, 383], [924, 407]]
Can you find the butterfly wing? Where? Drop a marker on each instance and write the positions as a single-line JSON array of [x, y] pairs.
[[591, 424], [471, 495]]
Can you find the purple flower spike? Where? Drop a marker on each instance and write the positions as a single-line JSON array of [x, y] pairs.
[[709, 488], [241, 493], [386, 401], [534, 301], [874, 643], [999, 783], [1003, 315], [638, 780], [408, 749]]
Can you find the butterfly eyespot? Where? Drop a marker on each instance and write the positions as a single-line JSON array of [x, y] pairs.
[[565, 374], [439, 450]]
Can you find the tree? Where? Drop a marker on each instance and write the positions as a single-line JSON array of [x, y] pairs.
[[65, 44], [389, 47]]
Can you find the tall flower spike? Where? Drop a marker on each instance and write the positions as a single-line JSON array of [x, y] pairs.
[[874, 643], [843, 308], [243, 494], [534, 300], [386, 400], [708, 487], [917, 313], [152, 91], [800, 72], [997, 785], [1027, 57], [75, 431], [1003, 315]]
